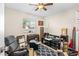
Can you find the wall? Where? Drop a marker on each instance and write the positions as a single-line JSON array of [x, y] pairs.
[[1, 26], [61, 20], [13, 22]]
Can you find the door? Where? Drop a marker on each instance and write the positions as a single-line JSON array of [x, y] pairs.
[[41, 33]]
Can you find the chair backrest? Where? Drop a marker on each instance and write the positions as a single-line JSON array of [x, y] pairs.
[[11, 42], [9, 39]]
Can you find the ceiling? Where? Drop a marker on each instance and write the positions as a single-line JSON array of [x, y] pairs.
[[53, 9]]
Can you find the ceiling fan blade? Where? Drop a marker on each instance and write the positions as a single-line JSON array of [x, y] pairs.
[[44, 8], [36, 9], [48, 4]]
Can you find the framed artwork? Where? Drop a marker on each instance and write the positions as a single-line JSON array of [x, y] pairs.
[[40, 23], [30, 23]]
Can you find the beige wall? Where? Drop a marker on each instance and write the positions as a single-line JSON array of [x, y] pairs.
[[14, 19]]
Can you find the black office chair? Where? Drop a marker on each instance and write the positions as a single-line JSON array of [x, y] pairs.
[[14, 48]]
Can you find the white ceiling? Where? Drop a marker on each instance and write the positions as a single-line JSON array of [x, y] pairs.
[[55, 8]]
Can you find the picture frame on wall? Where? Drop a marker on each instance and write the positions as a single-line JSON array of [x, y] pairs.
[[40, 23], [30, 23]]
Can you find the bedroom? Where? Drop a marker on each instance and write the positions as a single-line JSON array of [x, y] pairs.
[[22, 20]]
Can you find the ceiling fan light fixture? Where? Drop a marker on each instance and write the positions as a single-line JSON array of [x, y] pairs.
[[40, 6]]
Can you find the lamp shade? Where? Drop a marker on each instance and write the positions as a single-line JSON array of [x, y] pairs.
[[64, 31]]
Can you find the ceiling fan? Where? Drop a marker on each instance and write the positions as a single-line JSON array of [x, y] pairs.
[[41, 6]]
